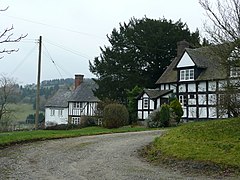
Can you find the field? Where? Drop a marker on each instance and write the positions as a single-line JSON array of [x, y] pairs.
[[211, 142], [21, 111]]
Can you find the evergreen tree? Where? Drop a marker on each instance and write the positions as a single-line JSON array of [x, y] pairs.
[[139, 53]]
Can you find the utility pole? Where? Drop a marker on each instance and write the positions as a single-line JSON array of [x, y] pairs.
[[38, 83]]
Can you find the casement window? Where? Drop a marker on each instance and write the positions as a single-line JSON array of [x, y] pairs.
[[183, 100], [235, 72], [76, 120], [186, 74], [78, 105], [145, 103], [52, 113], [60, 112]]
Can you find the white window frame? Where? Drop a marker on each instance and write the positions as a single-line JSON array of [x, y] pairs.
[[76, 120], [183, 100], [78, 105], [60, 112], [145, 103], [52, 112], [186, 74]]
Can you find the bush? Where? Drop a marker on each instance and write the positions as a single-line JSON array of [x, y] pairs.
[[87, 121], [177, 110], [115, 116], [164, 115], [160, 117]]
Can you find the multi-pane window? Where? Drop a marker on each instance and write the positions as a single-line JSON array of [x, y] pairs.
[[186, 74], [145, 103], [183, 100], [60, 112], [52, 113], [78, 105], [76, 120]]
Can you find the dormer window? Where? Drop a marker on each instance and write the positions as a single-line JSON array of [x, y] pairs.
[[186, 74]]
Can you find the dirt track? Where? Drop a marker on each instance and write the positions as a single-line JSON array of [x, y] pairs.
[[100, 157]]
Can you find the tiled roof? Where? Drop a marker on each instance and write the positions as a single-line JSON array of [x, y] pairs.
[[60, 98], [84, 92], [154, 93], [204, 59]]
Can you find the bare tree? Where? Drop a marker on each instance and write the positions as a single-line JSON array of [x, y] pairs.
[[224, 32], [6, 36], [7, 90]]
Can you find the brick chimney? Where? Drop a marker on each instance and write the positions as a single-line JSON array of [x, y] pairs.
[[78, 80], [181, 46]]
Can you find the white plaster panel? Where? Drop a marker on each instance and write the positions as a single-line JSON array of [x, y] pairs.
[[221, 85], [145, 115], [212, 86], [162, 87], [145, 95], [202, 112], [202, 99], [173, 87], [192, 101], [212, 112], [151, 104], [212, 99], [139, 114], [192, 112], [202, 87], [182, 88], [185, 61], [192, 87]]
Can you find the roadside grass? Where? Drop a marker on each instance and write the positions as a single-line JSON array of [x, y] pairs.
[[215, 142], [15, 137]]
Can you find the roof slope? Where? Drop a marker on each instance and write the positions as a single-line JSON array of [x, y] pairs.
[[204, 59], [84, 92], [154, 93], [60, 98]]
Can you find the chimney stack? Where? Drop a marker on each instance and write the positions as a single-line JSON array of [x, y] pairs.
[[78, 80], [181, 46]]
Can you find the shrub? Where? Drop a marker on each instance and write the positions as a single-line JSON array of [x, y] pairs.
[[160, 117], [87, 121], [177, 109], [164, 115], [115, 116]]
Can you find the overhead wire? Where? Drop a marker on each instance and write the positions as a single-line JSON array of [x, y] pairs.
[[54, 63], [23, 60]]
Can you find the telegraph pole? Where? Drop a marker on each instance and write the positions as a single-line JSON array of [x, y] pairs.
[[38, 83]]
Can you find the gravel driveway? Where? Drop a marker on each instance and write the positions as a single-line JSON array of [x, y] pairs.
[[112, 156]]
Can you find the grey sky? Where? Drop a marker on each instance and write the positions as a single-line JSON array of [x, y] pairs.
[[73, 31]]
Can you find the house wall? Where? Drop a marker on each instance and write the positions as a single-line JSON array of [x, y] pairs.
[[145, 106], [88, 109], [55, 116]]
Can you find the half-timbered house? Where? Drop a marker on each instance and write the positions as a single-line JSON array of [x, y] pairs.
[[196, 77], [69, 106], [82, 102]]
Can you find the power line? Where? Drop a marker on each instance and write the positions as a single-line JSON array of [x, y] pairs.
[[23, 60], [54, 63], [69, 50], [55, 27]]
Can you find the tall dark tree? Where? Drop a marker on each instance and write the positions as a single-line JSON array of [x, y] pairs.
[[139, 53]]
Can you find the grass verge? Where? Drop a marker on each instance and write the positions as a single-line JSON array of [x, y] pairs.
[[212, 144], [9, 138]]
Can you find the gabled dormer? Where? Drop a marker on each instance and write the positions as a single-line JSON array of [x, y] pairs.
[[186, 68]]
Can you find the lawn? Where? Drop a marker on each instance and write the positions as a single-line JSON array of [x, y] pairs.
[[9, 138], [215, 141]]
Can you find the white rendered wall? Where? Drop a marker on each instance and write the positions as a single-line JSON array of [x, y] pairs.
[[185, 61]]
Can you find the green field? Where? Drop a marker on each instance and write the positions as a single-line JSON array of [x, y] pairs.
[[9, 138], [216, 142], [21, 111]]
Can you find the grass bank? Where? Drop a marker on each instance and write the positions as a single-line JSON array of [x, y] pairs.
[[9, 138], [211, 142]]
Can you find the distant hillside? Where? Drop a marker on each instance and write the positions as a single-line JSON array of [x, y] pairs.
[[47, 89]]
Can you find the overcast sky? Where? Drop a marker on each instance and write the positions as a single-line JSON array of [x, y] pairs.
[[73, 31]]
